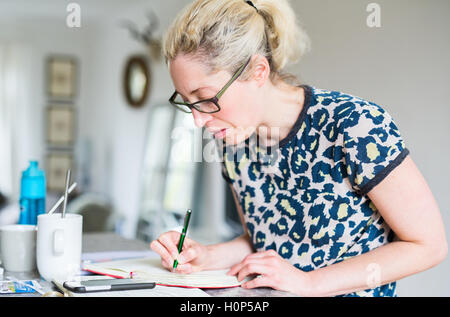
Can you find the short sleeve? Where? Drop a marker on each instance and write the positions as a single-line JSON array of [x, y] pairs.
[[373, 146]]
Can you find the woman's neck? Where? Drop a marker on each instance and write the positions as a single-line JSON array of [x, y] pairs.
[[282, 105]]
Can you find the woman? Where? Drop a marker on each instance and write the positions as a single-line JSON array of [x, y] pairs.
[[331, 200]]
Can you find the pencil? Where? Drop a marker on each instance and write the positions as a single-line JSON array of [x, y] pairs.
[[182, 236]]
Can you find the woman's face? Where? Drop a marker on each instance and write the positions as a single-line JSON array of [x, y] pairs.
[[238, 116]]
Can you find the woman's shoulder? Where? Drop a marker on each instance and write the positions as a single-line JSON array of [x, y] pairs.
[[340, 103], [331, 106]]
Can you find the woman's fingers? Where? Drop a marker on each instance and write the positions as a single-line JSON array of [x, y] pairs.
[[169, 240], [252, 268], [166, 247], [166, 257], [251, 258], [184, 268], [235, 269], [259, 281], [188, 254]]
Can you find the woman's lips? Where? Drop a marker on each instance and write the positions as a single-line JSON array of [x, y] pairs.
[[220, 134]]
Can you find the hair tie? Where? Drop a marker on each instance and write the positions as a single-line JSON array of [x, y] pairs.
[[251, 3]]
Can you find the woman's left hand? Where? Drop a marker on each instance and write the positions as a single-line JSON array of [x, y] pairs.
[[272, 271]]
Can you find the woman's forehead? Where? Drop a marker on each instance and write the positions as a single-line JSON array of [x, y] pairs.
[[184, 69], [189, 74], [188, 62]]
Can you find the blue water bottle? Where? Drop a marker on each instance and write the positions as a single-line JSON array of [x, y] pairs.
[[32, 194]]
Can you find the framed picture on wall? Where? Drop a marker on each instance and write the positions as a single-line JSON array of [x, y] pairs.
[[57, 165], [60, 125], [61, 77]]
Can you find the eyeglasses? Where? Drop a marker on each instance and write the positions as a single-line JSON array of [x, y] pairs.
[[210, 105]]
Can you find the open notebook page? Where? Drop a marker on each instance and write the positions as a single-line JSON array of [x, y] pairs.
[[151, 269]]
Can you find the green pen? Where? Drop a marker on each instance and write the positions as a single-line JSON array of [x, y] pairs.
[[183, 235]]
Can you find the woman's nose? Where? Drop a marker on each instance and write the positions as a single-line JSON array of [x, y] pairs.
[[201, 118]]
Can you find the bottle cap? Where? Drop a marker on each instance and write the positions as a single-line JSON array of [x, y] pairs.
[[33, 183]]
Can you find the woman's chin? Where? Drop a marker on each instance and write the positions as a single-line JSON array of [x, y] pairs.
[[237, 138]]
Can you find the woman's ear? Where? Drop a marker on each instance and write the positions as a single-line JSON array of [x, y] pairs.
[[260, 69]]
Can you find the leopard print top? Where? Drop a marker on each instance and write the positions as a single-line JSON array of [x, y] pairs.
[[306, 198]]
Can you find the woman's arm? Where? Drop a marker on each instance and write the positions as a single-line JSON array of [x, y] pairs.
[[407, 205], [224, 255], [233, 251]]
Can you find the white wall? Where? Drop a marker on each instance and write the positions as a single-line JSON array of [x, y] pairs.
[[34, 39], [115, 131], [402, 66]]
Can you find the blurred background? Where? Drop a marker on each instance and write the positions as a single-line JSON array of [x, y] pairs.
[[83, 86]]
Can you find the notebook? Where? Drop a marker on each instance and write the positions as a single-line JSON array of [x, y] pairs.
[[151, 269]]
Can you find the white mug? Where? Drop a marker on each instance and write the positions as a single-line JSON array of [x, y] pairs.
[[18, 247], [58, 250]]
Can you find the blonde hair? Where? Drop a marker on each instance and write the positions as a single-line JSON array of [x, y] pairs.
[[226, 33]]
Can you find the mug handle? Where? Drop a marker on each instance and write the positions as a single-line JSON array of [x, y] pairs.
[[58, 242]]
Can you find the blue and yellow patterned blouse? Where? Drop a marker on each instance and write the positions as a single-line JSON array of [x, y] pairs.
[[307, 197]]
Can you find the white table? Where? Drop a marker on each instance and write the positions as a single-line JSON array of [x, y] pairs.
[[98, 242]]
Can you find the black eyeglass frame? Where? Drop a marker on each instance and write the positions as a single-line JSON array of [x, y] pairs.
[[214, 99]]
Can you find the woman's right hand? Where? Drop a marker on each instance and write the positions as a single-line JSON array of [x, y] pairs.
[[193, 256]]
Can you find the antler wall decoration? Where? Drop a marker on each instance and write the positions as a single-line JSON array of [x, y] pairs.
[[147, 36]]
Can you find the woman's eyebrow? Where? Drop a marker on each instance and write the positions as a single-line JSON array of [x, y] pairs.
[[193, 91], [196, 90]]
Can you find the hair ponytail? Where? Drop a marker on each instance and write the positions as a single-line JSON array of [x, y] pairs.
[[225, 33], [287, 41]]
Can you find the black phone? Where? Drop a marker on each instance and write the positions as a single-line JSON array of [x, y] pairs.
[[104, 285]]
